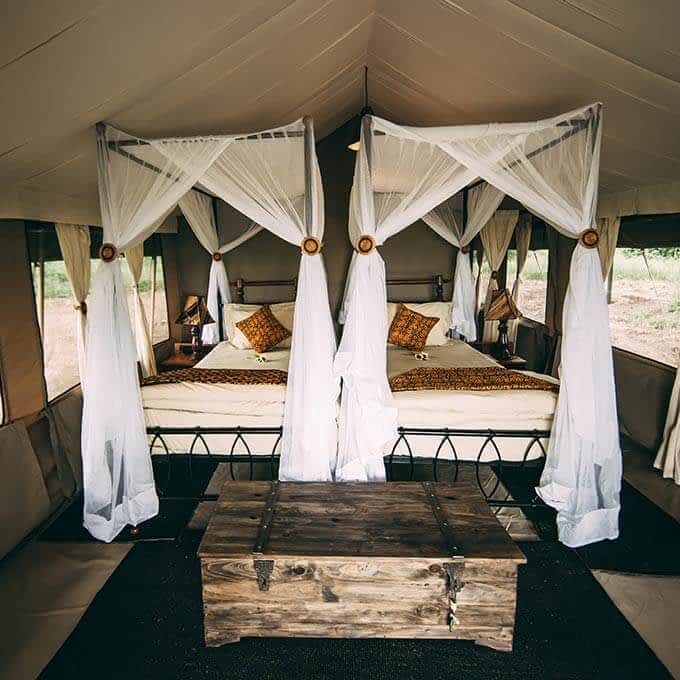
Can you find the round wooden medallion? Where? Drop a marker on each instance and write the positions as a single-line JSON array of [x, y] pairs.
[[589, 238], [108, 252], [217, 256], [366, 244], [310, 245], [465, 250]]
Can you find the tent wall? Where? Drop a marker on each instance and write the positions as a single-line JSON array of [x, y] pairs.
[[23, 383]]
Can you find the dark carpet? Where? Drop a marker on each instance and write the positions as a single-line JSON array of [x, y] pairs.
[[147, 623]]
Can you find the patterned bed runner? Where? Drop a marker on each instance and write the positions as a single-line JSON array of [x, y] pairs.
[[231, 376], [468, 379]]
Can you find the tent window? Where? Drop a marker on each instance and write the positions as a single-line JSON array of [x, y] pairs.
[[152, 294], [534, 287], [55, 305], [644, 302]]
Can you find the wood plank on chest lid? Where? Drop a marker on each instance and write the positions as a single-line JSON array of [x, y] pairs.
[[352, 520]]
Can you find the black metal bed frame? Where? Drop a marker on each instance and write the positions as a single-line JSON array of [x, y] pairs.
[[395, 461]]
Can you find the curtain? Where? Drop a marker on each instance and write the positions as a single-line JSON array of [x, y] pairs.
[[608, 228], [273, 178], [136, 190], [551, 167], [143, 334], [496, 237], [668, 456], [199, 212], [394, 186], [482, 201], [522, 242], [74, 242]]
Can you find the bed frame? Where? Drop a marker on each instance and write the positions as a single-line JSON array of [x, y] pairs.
[[246, 453]]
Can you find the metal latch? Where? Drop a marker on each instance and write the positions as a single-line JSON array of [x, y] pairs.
[[263, 569], [454, 574]]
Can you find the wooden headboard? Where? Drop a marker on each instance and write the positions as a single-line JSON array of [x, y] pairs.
[[437, 281], [241, 284]]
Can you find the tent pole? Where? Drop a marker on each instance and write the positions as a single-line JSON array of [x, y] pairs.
[[41, 282], [308, 151], [220, 311], [154, 269]]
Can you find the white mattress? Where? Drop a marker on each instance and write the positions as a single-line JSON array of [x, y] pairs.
[[189, 404], [459, 409]]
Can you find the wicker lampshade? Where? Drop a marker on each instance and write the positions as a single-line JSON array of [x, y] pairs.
[[502, 307], [195, 312]]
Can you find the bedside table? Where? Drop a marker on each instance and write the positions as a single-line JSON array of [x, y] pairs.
[[183, 357], [515, 362]]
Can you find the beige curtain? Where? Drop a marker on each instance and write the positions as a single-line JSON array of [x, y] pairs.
[[668, 457], [608, 228], [496, 236], [135, 260], [522, 241], [74, 241]]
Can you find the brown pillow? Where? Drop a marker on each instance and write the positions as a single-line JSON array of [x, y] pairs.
[[410, 329], [263, 330]]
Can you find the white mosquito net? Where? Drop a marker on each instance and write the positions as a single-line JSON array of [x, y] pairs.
[[273, 178], [403, 174]]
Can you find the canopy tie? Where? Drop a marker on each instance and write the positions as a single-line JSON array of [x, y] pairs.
[[108, 252], [465, 249], [310, 245], [589, 238], [217, 256], [366, 244], [81, 307]]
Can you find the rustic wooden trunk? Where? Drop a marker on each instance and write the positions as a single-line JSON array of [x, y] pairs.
[[398, 559]]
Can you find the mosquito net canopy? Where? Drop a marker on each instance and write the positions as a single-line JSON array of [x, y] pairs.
[[403, 174], [273, 178]]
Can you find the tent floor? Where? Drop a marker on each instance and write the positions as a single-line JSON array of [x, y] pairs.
[[147, 620]]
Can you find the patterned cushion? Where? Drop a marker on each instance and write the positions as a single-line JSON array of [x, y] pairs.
[[410, 329], [263, 329]]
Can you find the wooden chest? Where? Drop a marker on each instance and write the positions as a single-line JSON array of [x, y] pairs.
[[397, 559]]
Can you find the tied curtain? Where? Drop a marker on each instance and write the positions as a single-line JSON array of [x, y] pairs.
[[551, 167], [200, 214], [264, 176], [135, 259], [522, 243], [496, 237], [482, 201], [74, 242]]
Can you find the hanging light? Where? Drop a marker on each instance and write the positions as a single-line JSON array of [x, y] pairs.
[[365, 111]]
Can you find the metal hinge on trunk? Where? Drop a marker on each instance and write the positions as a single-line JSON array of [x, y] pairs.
[[454, 574], [263, 569]]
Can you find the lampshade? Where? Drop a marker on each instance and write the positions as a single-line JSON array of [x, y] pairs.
[[502, 307], [195, 312]]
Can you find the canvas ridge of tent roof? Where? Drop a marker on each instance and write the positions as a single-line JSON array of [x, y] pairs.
[[219, 68]]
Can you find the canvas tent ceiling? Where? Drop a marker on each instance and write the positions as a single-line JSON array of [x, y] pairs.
[[163, 67]]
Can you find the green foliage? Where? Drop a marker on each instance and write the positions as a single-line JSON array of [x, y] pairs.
[[57, 285]]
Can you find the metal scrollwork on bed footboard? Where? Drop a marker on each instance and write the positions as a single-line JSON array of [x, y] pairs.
[[401, 463]]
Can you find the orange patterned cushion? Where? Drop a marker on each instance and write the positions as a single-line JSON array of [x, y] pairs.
[[410, 329], [263, 329]]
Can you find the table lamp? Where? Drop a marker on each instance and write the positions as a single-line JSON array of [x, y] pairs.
[[502, 309], [195, 314]]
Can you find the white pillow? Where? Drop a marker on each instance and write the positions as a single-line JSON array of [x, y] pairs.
[[234, 312], [437, 335]]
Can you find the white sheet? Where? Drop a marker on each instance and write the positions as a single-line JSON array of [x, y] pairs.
[[190, 404], [459, 409]]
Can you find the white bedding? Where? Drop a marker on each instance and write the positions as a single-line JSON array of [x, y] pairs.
[[190, 404], [459, 409]]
